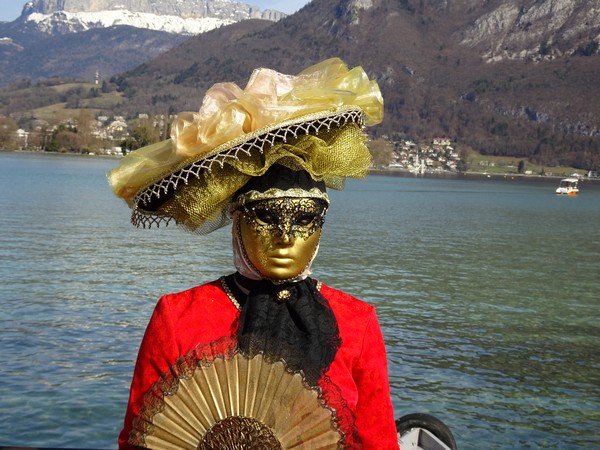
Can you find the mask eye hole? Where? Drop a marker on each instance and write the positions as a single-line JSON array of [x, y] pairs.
[[265, 216], [305, 219]]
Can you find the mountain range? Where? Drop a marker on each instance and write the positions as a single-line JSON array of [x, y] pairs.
[[503, 77], [77, 38], [181, 17]]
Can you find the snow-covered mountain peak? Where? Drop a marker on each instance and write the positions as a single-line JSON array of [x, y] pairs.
[[63, 21], [171, 16]]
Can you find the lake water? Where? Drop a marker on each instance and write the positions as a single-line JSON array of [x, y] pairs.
[[488, 293]]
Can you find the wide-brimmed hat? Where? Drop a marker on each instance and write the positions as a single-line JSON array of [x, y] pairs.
[[312, 121]]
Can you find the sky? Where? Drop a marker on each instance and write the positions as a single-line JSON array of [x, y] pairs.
[[11, 9]]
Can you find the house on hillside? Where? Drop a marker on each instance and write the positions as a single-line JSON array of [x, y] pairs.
[[22, 138], [441, 142]]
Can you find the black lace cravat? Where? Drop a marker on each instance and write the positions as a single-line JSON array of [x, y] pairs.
[[292, 322]]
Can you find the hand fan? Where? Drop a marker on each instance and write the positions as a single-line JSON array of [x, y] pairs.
[[240, 403]]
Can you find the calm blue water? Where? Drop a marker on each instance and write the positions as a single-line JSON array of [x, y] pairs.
[[487, 292]]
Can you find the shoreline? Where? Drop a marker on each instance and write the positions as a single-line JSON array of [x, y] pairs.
[[476, 175], [375, 172], [83, 155]]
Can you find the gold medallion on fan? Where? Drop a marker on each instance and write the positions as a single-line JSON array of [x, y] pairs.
[[238, 403]]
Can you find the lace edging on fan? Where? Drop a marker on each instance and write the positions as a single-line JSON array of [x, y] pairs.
[[343, 415]]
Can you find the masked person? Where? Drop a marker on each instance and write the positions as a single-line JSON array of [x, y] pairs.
[[266, 357]]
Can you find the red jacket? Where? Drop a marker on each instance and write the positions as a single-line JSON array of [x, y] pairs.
[[204, 314]]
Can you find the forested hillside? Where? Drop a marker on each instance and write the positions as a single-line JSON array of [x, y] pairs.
[[446, 69]]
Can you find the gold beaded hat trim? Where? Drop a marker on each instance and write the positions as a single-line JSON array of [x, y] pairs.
[[312, 122], [257, 196]]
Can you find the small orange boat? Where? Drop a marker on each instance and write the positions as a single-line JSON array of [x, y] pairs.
[[568, 186]]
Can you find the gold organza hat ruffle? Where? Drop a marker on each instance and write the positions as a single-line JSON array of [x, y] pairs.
[[312, 121]]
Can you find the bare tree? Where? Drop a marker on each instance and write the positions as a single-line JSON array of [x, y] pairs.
[[8, 134], [381, 151], [85, 128]]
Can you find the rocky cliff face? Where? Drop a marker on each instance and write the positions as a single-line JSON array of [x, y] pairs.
[[534, 30], [189, 17]]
